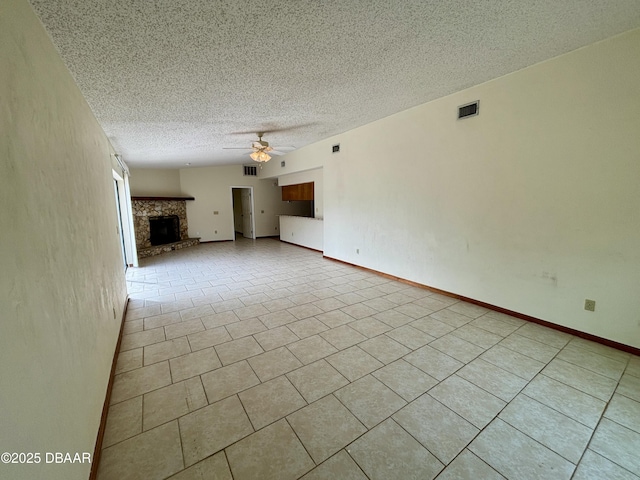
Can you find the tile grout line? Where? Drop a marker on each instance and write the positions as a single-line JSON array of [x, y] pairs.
[[593, 430], [286, 419], [528, 381], [226, 458]]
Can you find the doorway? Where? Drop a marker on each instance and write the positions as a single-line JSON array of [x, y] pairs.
[[243, 217]]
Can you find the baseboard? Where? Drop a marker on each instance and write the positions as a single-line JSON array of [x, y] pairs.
[[220, 241], [308, 248], [105, 408], [521, 316]]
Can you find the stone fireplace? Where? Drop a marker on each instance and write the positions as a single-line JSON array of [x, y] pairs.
[[160, 224]]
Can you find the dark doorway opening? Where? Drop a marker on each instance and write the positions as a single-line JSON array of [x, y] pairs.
[[164, 229]]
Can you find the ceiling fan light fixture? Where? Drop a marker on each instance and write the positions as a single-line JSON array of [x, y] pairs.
[[260, 156]]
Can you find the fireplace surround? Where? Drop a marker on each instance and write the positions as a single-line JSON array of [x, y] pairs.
[[160, 224]]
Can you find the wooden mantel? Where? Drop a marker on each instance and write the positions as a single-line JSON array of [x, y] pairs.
[[161, 198]]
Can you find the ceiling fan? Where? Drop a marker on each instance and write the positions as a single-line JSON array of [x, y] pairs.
[[261, 149]]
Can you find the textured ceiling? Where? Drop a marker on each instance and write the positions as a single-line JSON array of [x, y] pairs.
[[174, 81]]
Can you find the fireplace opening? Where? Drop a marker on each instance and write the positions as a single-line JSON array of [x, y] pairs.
[[164, 229]]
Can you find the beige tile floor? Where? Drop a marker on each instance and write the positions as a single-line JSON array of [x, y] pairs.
[[262, 360]]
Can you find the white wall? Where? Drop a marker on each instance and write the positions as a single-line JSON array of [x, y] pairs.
[[155, 182], [531, 206], [305, 231], [211, 187], [62, 288]]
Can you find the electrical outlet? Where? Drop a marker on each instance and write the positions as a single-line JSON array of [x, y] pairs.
[[216, 231], [590, 305]]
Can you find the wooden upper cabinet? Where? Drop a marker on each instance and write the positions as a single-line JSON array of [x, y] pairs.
[[307, 191], [300, 191], [288, 193]]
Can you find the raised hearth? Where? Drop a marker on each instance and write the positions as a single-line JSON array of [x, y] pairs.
[[167, 247]]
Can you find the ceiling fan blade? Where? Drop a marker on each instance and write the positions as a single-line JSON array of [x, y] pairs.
[[273, 129], [262, 146]]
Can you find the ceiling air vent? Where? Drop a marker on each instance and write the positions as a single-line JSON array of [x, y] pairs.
[[250, 170], [468, 110]]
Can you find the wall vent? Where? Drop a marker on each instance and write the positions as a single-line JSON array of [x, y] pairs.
[[469, 110], [250, 170], [335, 148]]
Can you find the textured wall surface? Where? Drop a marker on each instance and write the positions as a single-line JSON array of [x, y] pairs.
[[62, 287], [154, 182], [531, 206]]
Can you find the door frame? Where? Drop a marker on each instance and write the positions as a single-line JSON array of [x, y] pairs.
[[126, 219], [253, 211], [117, 188]]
